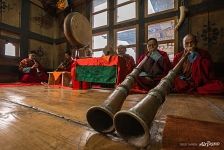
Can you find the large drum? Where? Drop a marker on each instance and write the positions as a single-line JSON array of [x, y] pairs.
[[77, 30]]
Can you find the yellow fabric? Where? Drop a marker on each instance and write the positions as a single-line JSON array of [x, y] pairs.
[[56, 75], [107, 58]]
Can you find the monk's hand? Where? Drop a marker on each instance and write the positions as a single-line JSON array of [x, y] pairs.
[[35, 66], [188, 50], [149, 49], [62, 67]]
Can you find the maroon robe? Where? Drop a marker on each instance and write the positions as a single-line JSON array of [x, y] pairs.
[[201, 75], [158, 69], [30, 75], [127, 64]]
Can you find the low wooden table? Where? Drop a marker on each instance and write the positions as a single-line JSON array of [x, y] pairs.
[[60, 78]]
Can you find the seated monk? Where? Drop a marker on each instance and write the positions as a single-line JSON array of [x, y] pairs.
[[108, 50], [32, 71], [66, 63], [156, 67], [196, 74], [126, 62]]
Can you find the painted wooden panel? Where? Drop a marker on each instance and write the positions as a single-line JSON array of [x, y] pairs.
[[193, 2], [41, 22], [209, 29], [37, 2], [59, 54], [9, 34], [59, 26], [44, 52], [11, 12]]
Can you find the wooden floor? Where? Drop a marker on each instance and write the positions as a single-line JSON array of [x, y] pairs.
[[46, 118]]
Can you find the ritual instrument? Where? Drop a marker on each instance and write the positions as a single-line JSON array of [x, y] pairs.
[[183, 11], [133, 124], [77, 30], [64, 64], [100, 118]]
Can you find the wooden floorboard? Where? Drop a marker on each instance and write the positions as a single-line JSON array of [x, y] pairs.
[[41, 117], [65, 102], [23, 128]]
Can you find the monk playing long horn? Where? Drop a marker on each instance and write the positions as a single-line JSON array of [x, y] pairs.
[[156, 67], [196, 74]]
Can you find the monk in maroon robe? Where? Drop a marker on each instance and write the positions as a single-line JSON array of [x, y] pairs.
[[156, 67], [66, 63], [196, 74], [126, 63], [32, 71]]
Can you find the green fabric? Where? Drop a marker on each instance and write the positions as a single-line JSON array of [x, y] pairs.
[[98, 74]]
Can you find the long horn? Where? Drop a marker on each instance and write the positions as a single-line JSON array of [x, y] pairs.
[[183, 11], [133, 124], [100, 118]]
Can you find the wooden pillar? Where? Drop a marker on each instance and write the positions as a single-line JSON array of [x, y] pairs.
[[111, 23], [141, 35], [25, 15]]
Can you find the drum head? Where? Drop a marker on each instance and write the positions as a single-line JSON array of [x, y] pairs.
[[77, 29]]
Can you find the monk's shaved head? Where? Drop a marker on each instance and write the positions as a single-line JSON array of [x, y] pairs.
[[190, 41], [192, 36]]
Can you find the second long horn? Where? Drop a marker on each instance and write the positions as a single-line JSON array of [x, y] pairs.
[[133, 124]]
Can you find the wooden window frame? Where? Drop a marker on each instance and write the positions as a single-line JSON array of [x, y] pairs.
[[175, 40], [98, 12], [17, 49], [125, 28], [128, 46], [123, 4], [161, 12]]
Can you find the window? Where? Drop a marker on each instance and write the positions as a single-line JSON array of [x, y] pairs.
[[99, 42], [10, 49], [124, 26], [125, 10], [122, 1], [154, 6], [99, 13], [132, 52], [128, 38], [164, 33], [99, 5], [100, 19]]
